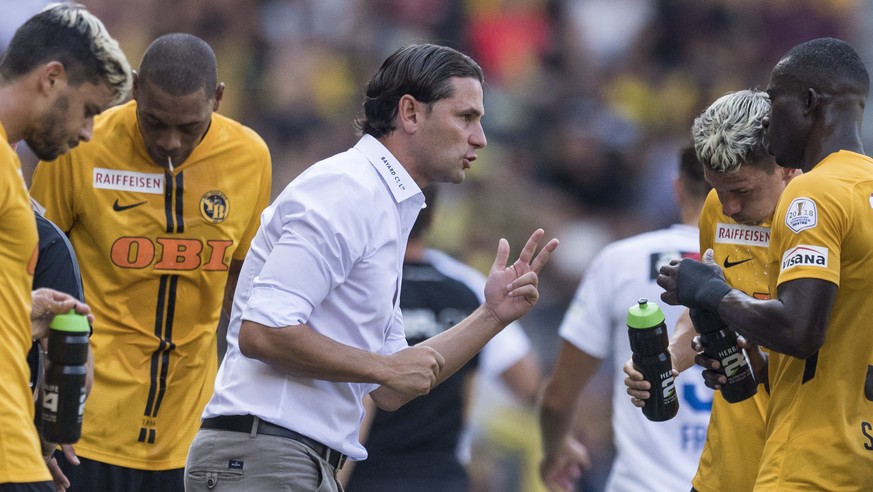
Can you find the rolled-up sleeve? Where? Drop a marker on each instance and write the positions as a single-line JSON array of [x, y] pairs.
[[316, 241]]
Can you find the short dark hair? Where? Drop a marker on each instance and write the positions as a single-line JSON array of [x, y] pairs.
[[691, 174], [180, 64], [420, 70], [826, 64], [71, 35]]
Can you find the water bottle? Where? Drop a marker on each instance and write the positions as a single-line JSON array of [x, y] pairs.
[[63, 391], [648, 339], [720, 343]]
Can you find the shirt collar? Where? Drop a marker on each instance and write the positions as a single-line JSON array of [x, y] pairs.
[[399, 181]]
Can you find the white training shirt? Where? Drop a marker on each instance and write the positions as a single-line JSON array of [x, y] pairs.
[[651, 456], [328, 253], [498, 355]]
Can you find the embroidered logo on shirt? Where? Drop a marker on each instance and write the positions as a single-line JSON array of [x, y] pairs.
[[112, 179], [235, 464], [121, 208], [214, 206], [801, 215], [805, 255], [728, 263]]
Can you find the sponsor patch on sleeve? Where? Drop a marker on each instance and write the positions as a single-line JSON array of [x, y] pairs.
[[805, 255], [801, 214]]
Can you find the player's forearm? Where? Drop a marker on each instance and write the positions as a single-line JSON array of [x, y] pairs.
[[573, 370], [555, 422], [680, 343], [792, 324]]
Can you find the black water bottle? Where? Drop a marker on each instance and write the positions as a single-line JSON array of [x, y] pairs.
[[63, 391], [720, 343], [648, 340]]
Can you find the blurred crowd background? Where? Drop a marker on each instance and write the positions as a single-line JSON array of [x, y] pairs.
[[587, 102]]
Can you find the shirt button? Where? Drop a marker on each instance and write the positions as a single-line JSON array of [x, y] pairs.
[[405, 229]]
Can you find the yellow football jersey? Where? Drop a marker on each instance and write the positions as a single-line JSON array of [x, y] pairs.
[[20, 454], [735, 436], [154, 248], [820, 419]]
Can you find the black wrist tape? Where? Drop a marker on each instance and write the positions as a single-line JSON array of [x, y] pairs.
[[699, 286]]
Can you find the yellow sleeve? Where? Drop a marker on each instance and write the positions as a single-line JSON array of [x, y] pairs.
[[52, 187]]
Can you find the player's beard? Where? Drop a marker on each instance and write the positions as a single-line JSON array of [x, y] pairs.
[[49, 136]]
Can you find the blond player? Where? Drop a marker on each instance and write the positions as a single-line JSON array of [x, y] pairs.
[[735, 224], [60, 69], [817, 324]]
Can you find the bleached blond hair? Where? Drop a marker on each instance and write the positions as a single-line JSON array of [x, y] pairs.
[[730, 132], [70, 34]]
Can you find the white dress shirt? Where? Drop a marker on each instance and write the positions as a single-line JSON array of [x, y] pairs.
[[328, 253]]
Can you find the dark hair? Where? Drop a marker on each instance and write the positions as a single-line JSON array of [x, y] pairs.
[[425, 216], [420, 70], [827, 64], [180, 64], [71, 35], [691, 174]]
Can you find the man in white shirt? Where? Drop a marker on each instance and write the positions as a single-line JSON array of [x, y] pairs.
[[316, 323], [660, 456]]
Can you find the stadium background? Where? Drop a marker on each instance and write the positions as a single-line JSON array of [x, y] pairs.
[[587, 102]]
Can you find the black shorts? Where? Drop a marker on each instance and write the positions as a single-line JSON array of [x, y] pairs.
[[93, 475], [28, 487]]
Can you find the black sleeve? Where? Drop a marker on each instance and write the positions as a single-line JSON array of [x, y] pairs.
[[56, 266]]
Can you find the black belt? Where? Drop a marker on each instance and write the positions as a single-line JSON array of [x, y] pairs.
[[246, 423]]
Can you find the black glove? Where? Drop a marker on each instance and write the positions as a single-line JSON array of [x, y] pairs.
[[699, 286]]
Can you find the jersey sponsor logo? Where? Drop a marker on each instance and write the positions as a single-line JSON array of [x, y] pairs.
[[112, 179], [805, 255], [170, 253], [802, 214], [742, 234], [214, 206], [728, 263], [121, 208], [659, 259]]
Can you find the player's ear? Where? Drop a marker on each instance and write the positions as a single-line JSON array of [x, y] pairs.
[[216, 98], [135, 89]]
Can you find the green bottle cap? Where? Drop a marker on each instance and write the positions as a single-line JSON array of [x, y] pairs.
[[644, 314], [70, 321]]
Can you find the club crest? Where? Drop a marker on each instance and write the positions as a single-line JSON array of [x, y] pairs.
[[214, 206]]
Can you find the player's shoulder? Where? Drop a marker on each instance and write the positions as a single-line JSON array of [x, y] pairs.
[[107, 122], [238, 132], [344, 181]]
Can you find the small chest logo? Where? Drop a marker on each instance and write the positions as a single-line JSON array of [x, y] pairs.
[[802, 215], [214, 206]]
